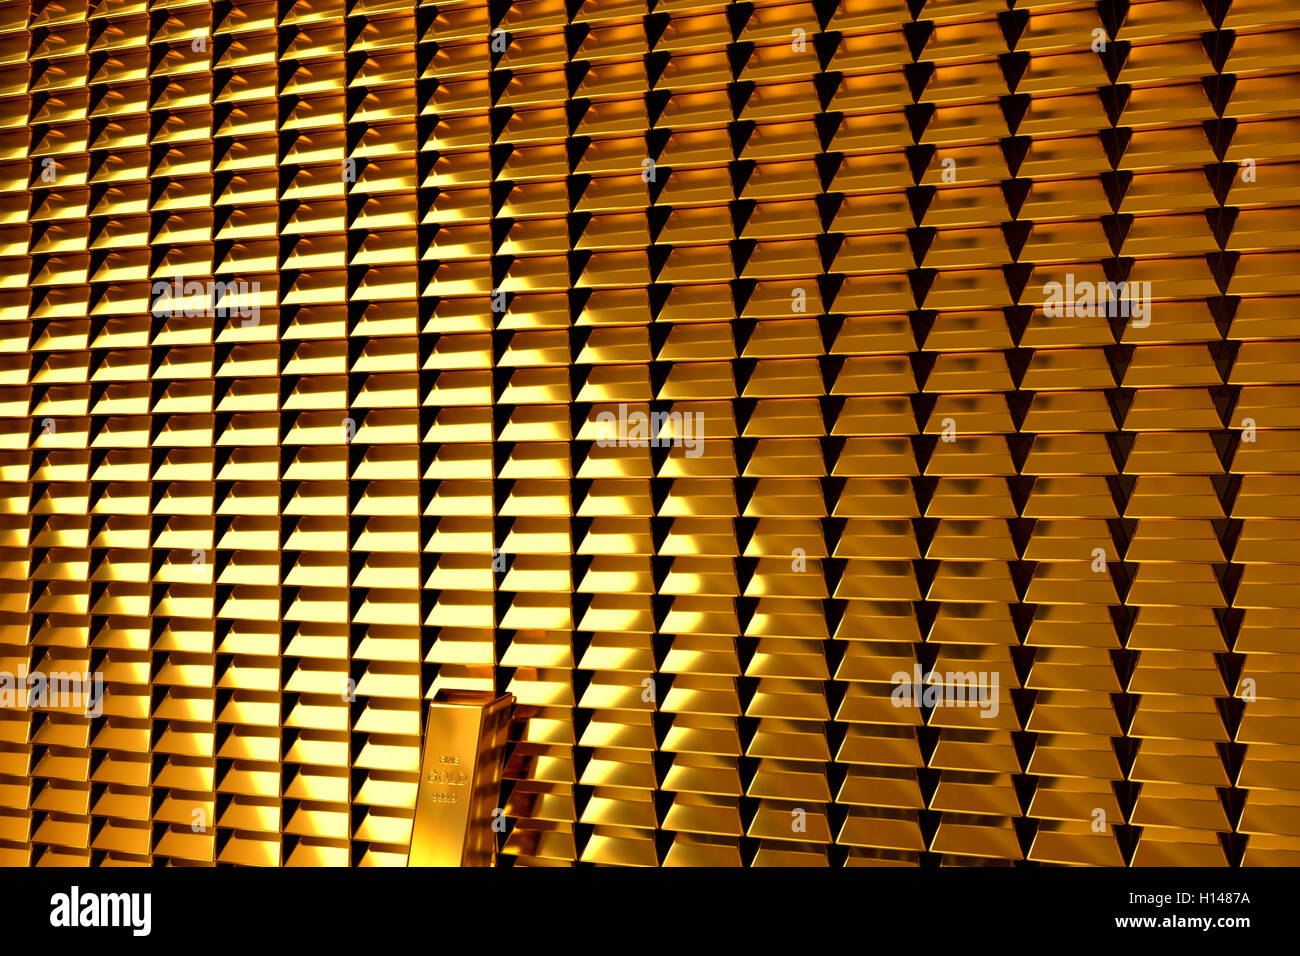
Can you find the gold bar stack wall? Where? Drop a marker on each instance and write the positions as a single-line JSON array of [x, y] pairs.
[[697, 373]]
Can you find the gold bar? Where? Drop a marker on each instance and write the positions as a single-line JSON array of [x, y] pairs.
[[460, 780]]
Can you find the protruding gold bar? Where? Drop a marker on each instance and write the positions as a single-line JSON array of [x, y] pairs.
[[460, 780]]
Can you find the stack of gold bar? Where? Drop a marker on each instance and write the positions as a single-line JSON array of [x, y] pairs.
[[856, 432]]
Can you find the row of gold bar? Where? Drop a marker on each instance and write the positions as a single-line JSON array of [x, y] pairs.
[[462, 236]]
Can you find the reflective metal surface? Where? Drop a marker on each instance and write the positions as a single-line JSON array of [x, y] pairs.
[[856, 433]]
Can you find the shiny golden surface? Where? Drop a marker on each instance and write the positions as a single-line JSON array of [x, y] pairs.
[[828, 275], [457, 809]]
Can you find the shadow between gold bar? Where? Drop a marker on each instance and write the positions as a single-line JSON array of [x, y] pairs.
[[460, 780]]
